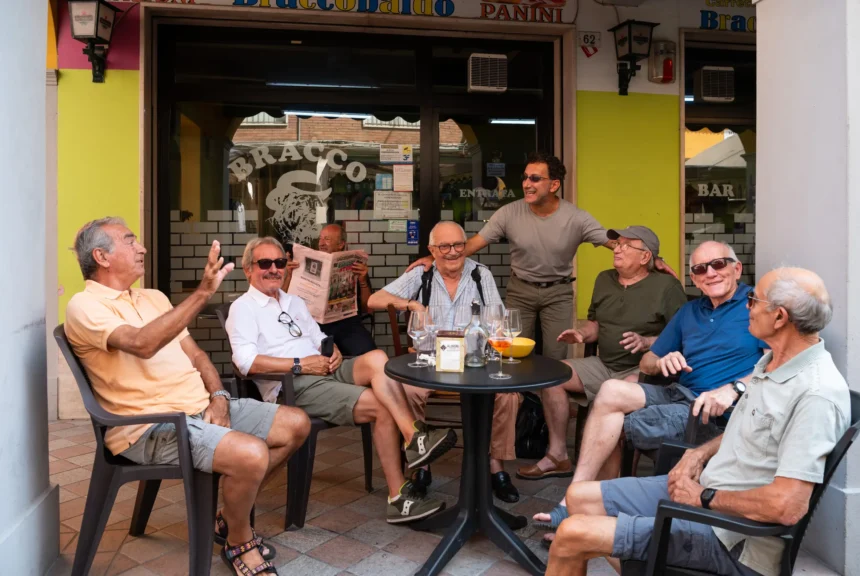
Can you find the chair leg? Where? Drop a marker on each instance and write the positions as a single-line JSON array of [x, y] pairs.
[[367, 446], [104, 485], [201, 523], [299, 471], [627, 456], [147, 491], [581, 415], [635, 465]]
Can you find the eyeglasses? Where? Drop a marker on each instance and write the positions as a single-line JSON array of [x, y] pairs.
[[716, 264], [751, 299], [266, 263], [534, 178], [623, 247], [445, 248], [287, 320]]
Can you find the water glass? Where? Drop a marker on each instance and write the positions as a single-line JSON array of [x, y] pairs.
[[417, 330]]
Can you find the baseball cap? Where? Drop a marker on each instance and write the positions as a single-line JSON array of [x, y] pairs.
[[643, 233]]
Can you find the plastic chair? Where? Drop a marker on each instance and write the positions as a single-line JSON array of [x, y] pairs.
[[300, 466], [667, 510], [111, 472]]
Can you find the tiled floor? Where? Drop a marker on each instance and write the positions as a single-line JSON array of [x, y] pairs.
[[346, 532]]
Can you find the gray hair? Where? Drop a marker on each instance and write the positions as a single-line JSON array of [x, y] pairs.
[[808, 311], [728, 248], [253, 244], [93, 237], [442, 223]]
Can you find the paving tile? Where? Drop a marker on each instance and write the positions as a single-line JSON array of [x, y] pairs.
[[469, 563], [58, 466], [167, 515], [532, 506], [305, 539], [82, 437], [377, 533], [353, 432], [62, 566], [171, 564], [70, 477], [112, 540], [369, 506], [136, 571], [414, 546], [481, 544], [70, 451], [338, 495], [342, 552], [271, 499], [316, 508], [336, 474], [178, 530], [59, 445], [337, 441], [101, 563], [307, 566], [319, 486], [72, 508], [83, 459], [552, 492], [122, 564], [358, 464], [171, 494], [152, 546], [81, 487], [338, 457], [270, 523], [60, 425], [384, 563], [339, 520], [505, 568]]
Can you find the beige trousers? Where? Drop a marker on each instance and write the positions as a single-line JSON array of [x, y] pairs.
[[504, 419]]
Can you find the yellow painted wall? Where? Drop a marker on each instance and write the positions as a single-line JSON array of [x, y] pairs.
[[98, 171], [628, 154]]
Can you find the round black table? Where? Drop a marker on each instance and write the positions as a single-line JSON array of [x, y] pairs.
[[475, 510]]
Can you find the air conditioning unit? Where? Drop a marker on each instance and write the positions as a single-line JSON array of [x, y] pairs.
[[488, 73], [714, 84]]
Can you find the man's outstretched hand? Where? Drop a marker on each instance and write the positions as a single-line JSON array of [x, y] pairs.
[[215, 270]]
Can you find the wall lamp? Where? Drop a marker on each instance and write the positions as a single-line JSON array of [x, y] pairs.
[[92, 23], [632, 44]]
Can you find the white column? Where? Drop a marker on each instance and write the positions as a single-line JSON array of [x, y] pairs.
[[808, 206], [29, 507]]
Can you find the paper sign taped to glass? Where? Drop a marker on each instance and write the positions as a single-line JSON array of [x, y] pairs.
[[326, 282], [390, 205]]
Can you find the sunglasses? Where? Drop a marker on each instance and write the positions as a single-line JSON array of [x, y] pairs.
[[287, 320], [446, 248], [751, 299], [534, 178], [266, 263], [716, 264]]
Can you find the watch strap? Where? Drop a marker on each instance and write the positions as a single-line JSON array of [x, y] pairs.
[[706, 497], [223, 393]]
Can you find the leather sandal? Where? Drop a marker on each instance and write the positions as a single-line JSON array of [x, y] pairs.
[[231, 557], [563, 469], [266, 551]]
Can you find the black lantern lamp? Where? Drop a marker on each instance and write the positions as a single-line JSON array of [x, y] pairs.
[[92, 23], [632, 44]]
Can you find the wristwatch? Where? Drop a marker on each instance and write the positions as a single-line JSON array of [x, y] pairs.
[[297, 366], [739, 387], [223, 393], [706, 497]]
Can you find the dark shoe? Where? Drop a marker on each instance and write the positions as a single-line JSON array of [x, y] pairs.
[[409, 506], [503, 488], [428, 444], [421, 480]]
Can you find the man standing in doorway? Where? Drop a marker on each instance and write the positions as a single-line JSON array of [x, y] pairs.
[[544, 233]]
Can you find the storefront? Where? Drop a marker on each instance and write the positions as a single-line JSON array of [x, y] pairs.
[[227, 119]]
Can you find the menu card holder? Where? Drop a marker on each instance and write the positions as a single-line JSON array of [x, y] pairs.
[[450, 351]]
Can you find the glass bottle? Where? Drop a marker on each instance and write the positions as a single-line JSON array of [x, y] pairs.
[[476, 339]]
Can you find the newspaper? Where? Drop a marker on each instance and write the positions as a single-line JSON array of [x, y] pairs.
[[326, 282]]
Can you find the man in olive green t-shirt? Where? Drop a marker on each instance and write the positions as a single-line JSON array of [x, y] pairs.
[[629, 308]]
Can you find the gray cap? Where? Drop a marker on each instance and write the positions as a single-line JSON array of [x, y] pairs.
[[638, 233]]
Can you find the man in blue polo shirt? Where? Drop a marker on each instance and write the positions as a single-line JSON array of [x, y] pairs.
[[707, 343]]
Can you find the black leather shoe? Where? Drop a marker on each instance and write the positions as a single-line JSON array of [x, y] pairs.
[[503, 488], [421, 480]]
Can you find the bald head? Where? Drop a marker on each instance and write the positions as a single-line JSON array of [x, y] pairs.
[[803, 295], [452, 232], [332, 239]]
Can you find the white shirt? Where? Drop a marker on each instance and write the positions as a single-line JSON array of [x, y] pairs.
[[253, 328]]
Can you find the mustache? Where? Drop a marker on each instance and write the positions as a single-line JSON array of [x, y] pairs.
[[272, 276]]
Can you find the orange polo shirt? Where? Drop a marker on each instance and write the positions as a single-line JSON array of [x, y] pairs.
[[124, 384]]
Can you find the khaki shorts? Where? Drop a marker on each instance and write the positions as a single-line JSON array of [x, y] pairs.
[[331, 398], [593, 373], [159, 445]]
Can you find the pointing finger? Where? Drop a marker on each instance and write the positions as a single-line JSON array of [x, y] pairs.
[[214, 251]]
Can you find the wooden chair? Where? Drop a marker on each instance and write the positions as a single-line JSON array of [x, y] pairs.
[[301, 465], [667, 510], [111, 472]]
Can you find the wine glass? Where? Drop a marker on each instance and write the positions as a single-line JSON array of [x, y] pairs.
[[489, 314], [500, 340], [417, 330], [515, 327], [436, 318]]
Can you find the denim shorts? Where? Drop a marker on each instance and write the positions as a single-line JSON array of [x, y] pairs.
[[158, 445], [667, 409], [633, 502]]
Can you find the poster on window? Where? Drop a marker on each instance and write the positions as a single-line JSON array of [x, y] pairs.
[[390, 205], [326, 282], [403, 176], [395, 153]]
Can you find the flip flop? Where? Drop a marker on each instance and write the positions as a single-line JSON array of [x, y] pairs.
[[556, 516]]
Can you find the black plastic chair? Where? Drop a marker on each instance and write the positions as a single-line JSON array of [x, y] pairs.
[[300, 466], [111, 472], [667, 510]]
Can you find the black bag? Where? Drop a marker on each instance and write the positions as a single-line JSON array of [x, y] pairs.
[[532, 432]]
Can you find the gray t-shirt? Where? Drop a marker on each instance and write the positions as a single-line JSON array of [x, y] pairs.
[[785, 425], [543, 247]]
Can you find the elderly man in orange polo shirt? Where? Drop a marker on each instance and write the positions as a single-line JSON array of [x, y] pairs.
[[141, 360]]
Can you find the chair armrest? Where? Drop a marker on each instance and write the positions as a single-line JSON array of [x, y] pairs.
[[105, 418], [286, 379], [668, 455], [231, 386], [667, 510]]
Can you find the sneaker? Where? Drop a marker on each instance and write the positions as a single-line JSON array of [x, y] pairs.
[[408, 506], [428, 444]]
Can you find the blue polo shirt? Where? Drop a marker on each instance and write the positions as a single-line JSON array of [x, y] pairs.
[[716, 343]]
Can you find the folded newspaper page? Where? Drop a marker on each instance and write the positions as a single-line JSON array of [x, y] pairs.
[[326, 282]]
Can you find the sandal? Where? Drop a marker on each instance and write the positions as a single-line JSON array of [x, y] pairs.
[[266, 551], [231, 557], [562, 469], [556, 516]]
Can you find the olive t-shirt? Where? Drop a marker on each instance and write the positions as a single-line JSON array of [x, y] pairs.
[[645, 308], [543, 247]]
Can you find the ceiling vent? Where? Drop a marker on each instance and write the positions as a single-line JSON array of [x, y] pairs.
[[714, 84], [488, 73]]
